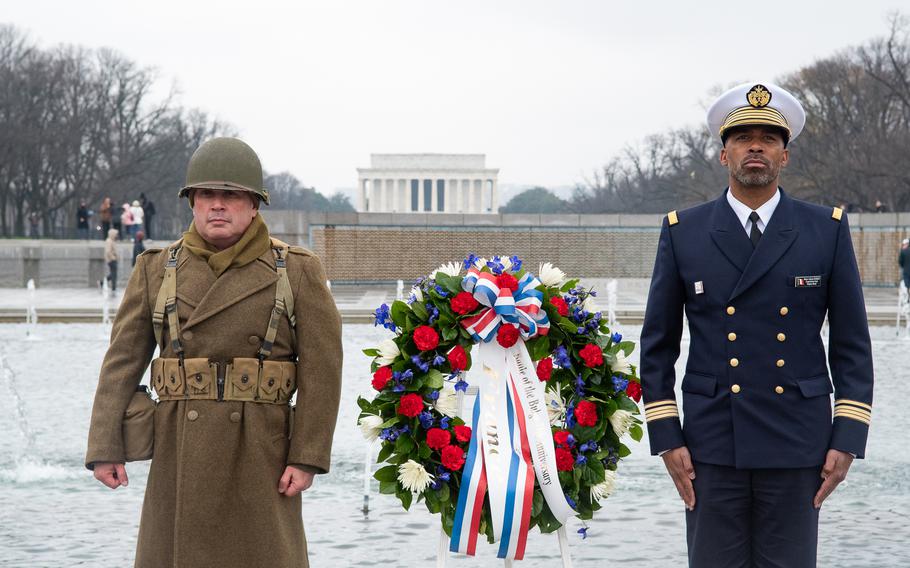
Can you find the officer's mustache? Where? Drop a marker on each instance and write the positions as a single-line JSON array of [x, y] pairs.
[[217, 217]]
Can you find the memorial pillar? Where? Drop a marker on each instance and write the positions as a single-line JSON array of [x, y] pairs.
[[494, 197]]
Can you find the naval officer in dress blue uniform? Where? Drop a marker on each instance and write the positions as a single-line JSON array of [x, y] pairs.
[[756, 272]]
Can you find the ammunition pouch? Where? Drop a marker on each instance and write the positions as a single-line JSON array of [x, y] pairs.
[[139, 426], [243, 379]]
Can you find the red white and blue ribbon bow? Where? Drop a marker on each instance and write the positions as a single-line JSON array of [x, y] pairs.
[[523, 308]]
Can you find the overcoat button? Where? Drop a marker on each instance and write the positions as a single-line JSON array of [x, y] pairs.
[[192, 415], [731, 336], [735, 389], [254, 340], [235, 417], [731, 310], [734, 362], [784, 311], [779, 389], [780, 362], [781, 337], [187, 335]]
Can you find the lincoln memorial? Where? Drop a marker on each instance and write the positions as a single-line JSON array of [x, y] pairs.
[[443, 183]]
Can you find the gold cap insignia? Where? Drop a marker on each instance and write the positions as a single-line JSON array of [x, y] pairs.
[[758, 96]]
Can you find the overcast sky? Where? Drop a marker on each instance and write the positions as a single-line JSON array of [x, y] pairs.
[[548, 91]]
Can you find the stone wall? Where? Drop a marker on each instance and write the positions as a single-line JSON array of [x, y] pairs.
[[374, 247]]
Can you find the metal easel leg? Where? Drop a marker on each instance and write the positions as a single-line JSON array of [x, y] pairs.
[[564, 547]]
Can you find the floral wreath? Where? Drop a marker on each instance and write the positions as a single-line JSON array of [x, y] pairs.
[[591, 388]]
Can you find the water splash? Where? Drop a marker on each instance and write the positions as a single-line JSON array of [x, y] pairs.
[[30, 470], [8, 376]]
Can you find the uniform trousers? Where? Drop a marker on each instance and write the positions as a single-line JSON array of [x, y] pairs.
[[753, 518]]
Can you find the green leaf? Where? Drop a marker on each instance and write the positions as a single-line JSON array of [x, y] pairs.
[[537, 503], [388, 487], [424, 451], [387, 473], [442, 493], [385, 452], [627, 347], [434, 379], [371, 352], [449, 331], [406, 498], [404, 444], [624, 451], [399, 313], [569, 284], [635, 432], [450, 283], [390, 422], [420, 310]]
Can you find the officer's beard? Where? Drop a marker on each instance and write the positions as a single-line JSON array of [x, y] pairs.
[[748, 177]]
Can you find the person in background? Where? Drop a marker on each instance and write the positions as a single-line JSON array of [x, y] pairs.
[[105, 214], [126, 221], [33, 220], [82, 216], [903, 260], [148, 209], [880, 207], [138, 217], [110, 257], [138, 245]]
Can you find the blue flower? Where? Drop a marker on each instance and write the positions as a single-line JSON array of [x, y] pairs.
[[619, 383], [579, 386], [583, 531], [516, 263], [582, 331], [398, 387], [461, 386], [426, 420], [495, 265], [441, 291], [570, 439], [469, 261], [580, 459], [389, 434], [570, 416], [570, 501], [411, 299], [588, 447], [433, 395], [442, 473], [617, 337], [406, 429], [561, 358], [420, 363], [407, 375], [444, 422], [383, 317]]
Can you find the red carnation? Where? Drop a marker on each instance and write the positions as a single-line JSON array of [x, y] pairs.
[[507, 335], [586, 413], [452, 457], [437, 438], [564, 460], [463, 303], [410, 405], [634, 391], [561, 437], [545, 369], [426, 338], [592, 355], [562, 308], [458, 358], [463, 433], [507, 281], [381, 377]]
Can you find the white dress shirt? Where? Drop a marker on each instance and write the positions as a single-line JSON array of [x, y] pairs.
[[743, 211]]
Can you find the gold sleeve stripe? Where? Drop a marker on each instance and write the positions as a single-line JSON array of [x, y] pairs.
[[853, 416], [657, 411], [853, 403], [673, 218], [665, 402], [652, 418], [837, 213]]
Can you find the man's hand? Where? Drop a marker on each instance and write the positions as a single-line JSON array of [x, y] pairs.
[[111, 474], [833, 472], [679, 465], [294, 481]]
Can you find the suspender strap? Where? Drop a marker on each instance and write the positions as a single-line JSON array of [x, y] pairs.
[[166, 303], [284, 300]]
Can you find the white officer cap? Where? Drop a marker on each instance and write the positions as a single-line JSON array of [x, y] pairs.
[[756, 103]]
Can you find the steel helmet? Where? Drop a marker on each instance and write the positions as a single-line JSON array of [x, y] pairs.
[[227, 164]]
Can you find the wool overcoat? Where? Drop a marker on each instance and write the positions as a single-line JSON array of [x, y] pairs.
[[212, 495]]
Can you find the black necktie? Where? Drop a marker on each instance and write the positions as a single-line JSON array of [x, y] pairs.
[[754, 233]]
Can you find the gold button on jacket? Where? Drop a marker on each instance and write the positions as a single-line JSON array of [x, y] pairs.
[[779, 389], [784, 311], [734, 362], [735, 389], [781, 337], [731, 310], [731, 336], [192, 415], [780, 362]]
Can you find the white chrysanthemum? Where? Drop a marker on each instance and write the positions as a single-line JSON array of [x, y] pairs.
[[388, 352], [417, 293], [621, 421], [589, 304], [506, 262], [413, 476], [480, 263], [370, 426], [549, 275], [447, 403], [621, 364], [556, 407], [449, 269], [605, 488]]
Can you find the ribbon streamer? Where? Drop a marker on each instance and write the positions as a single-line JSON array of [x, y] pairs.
[[523, 308]]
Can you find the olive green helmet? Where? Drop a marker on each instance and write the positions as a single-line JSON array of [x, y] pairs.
[[226, 164]]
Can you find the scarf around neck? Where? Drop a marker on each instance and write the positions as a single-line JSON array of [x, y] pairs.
[[253, 244]]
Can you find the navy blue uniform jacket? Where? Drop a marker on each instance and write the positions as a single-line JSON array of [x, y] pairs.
[[757, 389]]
